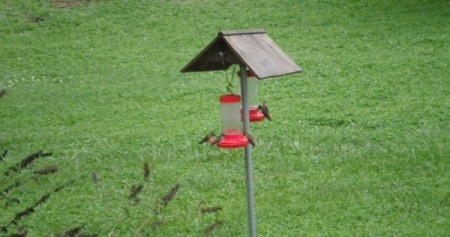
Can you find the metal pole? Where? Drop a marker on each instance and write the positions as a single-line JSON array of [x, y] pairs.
[[248, 157]]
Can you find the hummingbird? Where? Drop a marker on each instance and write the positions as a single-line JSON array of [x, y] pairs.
[[217, 140], [251, 139], [265, 110], [208, 138]]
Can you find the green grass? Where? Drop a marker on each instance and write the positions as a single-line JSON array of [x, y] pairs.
[[358, 147]]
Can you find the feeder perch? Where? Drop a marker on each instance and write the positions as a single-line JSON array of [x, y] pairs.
[[252, 86], [232, 136]]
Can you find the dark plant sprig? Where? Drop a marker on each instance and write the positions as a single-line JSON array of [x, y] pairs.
[[31, 209], [135, 190], [11, 201], [3, 92], [146, 171], [71, 232], [3, 155], [21, 214], [43, 199], [207, 210], [168, 196], [165, 199], [87, 235], [27, 161], [10, 187], [47, 170], [22, 232], [212, 227], [95, 177]]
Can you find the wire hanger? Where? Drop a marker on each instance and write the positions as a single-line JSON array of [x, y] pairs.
[[228, 78]]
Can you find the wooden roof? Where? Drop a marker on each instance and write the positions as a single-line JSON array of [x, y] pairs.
[[253, 48]]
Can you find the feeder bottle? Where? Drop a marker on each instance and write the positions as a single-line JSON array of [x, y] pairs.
[[252, 92], [231, 122]]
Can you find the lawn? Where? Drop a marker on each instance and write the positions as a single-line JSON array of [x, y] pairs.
[[92, 94]]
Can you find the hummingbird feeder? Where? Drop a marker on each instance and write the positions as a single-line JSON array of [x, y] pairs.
[[255, 51], [232, 136], [252, 84]]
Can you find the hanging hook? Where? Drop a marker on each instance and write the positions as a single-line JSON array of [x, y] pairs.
[[229, 87]]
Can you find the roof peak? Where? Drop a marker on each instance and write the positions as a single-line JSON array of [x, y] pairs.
[[242, 32]]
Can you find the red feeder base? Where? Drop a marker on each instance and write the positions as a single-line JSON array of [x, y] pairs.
[[254, 114], [233, 141]]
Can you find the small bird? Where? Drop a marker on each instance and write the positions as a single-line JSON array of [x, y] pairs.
[[208, 138], [265, 111], [217, 140], [251, 139]]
